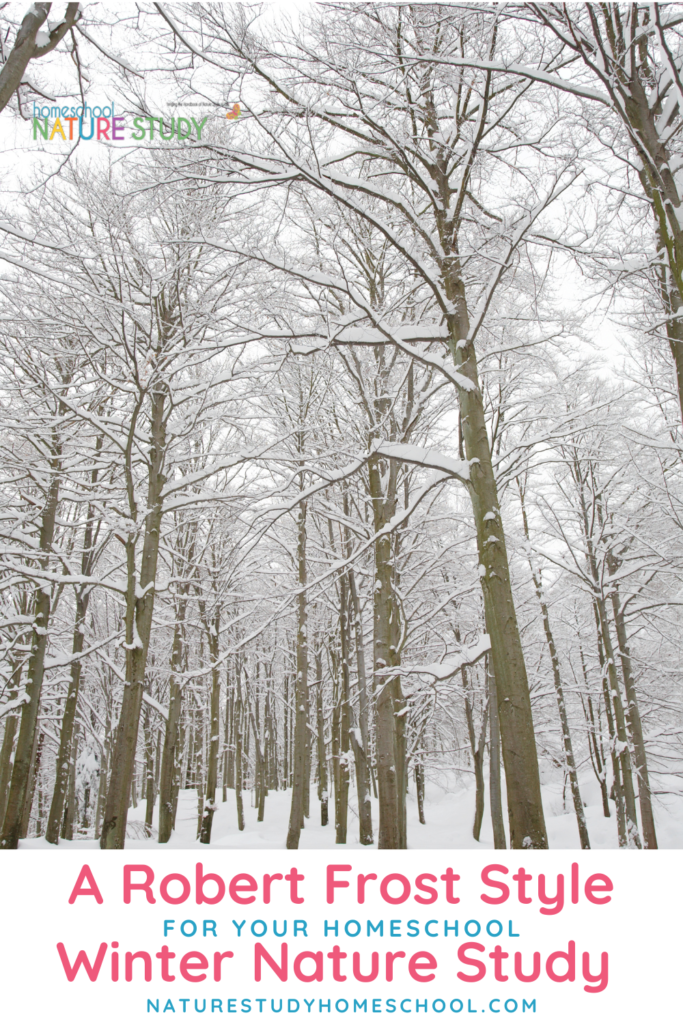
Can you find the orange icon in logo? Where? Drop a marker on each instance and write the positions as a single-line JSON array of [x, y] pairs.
[[235, 112]]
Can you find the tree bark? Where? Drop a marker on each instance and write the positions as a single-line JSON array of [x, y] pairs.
[[70, 803], [596, 750], [26, 48], [296, 816], [494, 769], [33, 780], [635, 723], [239, 782], [323, 793], [386, 656], [11, 722], [342, 788], [139, 611], [570, 763], [214, 734], [55, 818], [18, 792], [478, 749]]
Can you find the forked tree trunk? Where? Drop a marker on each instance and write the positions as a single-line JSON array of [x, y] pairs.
[[139, 609], [595, 746], [618, 792]]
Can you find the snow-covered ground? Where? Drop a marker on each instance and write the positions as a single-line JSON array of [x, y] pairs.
[[448, 823]]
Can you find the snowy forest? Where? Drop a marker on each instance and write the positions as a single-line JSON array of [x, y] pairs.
[[341, 431]]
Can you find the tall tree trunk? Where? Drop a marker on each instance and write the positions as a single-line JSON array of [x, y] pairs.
[[11, 722], [239, 780], [169, 779], [70, 803], [260, 778], [420, 791], [56, 816], [634, 721], [570, 763], [386, 656], [495, 794], [522, 779], [139, 610], [33, 780], [323, 793], [622, 831], [477, 749], [103, 776], [209, 807], [623, 752], [595, 747], [363, 696], [150, 796], [18, 792], [342, 789], [296, 815]]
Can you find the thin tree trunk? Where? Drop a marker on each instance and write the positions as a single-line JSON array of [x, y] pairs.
[[623, 753], [478, 749], [261, 788], [70, 803], [209, 806], [363, 701], [570, 763], [495, 793], [387, 687], [103, 777], [323, 794], [342, 792], [622, 832], [635, 723], [238, 751], [420, 790], [149, 775], [296, 816]]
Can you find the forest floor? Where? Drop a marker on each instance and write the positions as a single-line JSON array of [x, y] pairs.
[[448, 822]]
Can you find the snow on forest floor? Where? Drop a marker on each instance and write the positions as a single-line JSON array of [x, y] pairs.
[[448, 823]]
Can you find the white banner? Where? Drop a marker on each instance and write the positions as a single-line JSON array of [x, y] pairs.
[[427, 935]]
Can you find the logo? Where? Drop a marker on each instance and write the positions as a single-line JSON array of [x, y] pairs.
[[101, 123]]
